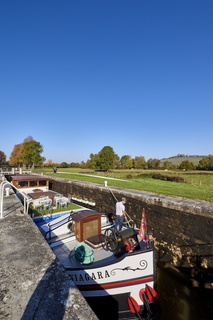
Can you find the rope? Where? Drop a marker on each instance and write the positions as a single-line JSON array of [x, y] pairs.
[[113, 194], [129, 219]]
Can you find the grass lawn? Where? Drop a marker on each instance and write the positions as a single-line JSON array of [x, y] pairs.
[[70, 207], [197, 185]]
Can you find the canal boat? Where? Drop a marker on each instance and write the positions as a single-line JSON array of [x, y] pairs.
[[115, 271], [36, 189]]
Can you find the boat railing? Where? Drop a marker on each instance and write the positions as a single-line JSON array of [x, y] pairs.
[[53, 226]]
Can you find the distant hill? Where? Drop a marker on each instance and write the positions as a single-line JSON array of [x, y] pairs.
[[176, 160]]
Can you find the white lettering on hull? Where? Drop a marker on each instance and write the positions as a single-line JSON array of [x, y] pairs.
[[84, 276], [92, 276]]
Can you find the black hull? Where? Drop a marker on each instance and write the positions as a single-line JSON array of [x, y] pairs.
[[116, 308]]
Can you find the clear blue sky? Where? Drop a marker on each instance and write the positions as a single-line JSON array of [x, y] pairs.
[[78, 75]]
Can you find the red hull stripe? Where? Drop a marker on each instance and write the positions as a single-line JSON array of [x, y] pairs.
[[112, 285]]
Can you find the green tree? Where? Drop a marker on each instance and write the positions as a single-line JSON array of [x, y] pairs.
[[116, 162], [129, 163], [93, 161], [124, 159], [28, 139], [153, 163], [206, 163], [64, 165], [106, 158], [82, 165], [187, 165], [166, 164], [74, 165], [31, 153], [139, 162]]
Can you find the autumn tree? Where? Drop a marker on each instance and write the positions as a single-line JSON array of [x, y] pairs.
[[28, 153], [15, 157], [2, 158]]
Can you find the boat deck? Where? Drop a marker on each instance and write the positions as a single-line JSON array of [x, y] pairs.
[[66, 254], [63, 241]]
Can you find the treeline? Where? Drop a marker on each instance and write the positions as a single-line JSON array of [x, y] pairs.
[[28, 153], [107, 159]]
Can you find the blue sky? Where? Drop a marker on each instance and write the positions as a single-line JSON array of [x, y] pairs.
[[136, 75]]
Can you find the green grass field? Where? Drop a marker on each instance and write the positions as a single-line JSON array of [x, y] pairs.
[[197, 185], [177, 160]]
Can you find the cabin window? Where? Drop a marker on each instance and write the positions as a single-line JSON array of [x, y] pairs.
[[23, 184], [90, 228], [42, 183], [33, 183]]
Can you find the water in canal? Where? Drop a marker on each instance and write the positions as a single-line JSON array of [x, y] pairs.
[[180, 301]]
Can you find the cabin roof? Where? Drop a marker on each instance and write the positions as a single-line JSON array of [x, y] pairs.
[[27, 177], [37, 195], [85, 213]]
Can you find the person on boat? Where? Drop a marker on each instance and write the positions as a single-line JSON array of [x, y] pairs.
[[120, 214]]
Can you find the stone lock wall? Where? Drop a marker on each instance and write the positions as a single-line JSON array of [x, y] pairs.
[[182, 229]]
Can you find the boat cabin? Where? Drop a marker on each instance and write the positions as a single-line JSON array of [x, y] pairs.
[[37, 188], [30, 183], [87, 224]]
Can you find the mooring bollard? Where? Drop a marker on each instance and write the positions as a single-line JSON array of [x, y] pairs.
[[7, 192]]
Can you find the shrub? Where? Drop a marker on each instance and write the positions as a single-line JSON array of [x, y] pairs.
[[167, 178]]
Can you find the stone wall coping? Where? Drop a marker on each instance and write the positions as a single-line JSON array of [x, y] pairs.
[[33, 283]]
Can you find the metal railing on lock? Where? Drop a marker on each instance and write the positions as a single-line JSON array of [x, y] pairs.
[[4, 171], [25, 197]]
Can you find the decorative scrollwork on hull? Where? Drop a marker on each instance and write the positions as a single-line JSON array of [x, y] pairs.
[[143, 265]]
